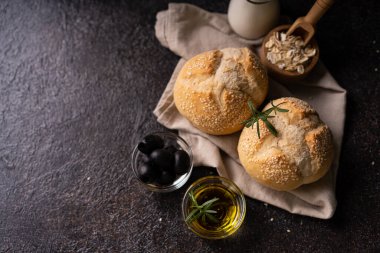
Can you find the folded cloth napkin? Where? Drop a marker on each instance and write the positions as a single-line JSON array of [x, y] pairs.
[[188, 30]]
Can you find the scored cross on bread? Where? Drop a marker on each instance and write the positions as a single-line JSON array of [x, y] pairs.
[[212, 89]]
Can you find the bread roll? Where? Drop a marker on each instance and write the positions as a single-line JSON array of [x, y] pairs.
[[301, 153], [213, 88]]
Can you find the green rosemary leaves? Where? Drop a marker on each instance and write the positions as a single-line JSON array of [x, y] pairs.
[[263, 116], [201, 211]]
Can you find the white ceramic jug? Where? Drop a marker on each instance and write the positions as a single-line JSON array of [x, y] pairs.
[[253, 19]]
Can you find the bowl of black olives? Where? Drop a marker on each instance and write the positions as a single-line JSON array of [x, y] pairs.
[[162, 161]]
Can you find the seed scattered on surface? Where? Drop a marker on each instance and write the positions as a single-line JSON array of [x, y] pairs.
[[376, 69], [271, 219], [160, 219], [373, 163], [88, 178], [288, 230]]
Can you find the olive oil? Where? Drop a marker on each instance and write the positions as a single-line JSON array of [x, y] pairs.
[[213, 207], [226, 207]]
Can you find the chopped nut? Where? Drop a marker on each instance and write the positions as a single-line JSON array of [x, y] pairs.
[[281, 65], [277, 35], [269, 44], [283, 36], [288, 52], [310, 51], [300, 69], [299, 43]]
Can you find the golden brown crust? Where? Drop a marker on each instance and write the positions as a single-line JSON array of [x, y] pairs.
[[319, 142], [206, 114], [301, 154], [213, 88], [201, 64]]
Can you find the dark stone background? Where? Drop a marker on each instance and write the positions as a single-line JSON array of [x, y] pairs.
[[78, 83]]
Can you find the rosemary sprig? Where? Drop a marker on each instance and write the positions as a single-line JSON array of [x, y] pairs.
[[201, 211], [263, 116]]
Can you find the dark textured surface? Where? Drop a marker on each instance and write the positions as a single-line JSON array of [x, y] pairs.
[[78, 83]]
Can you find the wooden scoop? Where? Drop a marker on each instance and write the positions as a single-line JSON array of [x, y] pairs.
[[306, 25]]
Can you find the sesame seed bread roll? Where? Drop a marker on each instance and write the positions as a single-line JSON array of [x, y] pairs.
[[301, 153], [212, 89]]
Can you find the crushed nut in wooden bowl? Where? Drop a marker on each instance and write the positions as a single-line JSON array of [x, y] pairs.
[[287, 58]]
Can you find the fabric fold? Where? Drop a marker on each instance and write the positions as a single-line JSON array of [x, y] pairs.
[[188, 30]]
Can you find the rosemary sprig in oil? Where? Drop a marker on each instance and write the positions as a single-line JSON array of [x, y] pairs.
[[201, 211], [263, 116]]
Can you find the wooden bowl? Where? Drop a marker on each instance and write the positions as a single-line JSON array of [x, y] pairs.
[[283, 75]]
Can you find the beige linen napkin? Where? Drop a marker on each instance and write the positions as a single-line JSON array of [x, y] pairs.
[[188, 30]]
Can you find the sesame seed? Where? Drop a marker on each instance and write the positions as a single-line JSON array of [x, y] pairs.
[[310, 141]]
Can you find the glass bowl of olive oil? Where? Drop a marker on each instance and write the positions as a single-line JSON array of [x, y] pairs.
[[213, 207]]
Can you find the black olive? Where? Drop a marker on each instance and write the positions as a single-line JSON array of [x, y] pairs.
[[166, 178], [163, 159], [146, 159], [144, 148], [155, 140], [181, 162], [150, 143], [171, 149], [148, 173]]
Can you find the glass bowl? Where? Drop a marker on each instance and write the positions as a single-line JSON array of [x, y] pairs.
[[170, 139], [228, 210]]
